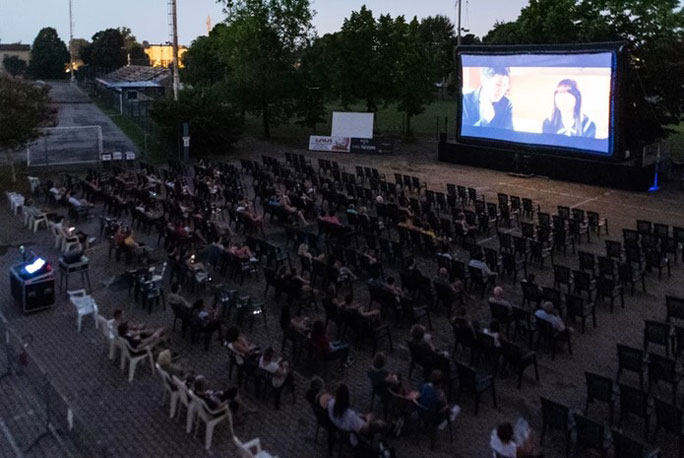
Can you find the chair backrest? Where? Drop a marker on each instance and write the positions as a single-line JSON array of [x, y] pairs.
[[554, 414], [633, 400], [656, 332], [626, 447], [106, 326], [631, 359], [661, 368], [599, 387], [675, 307], [467, 377], [590, 434], [669, 416]]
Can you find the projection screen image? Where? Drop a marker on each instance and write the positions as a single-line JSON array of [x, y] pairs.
[[554, 100]]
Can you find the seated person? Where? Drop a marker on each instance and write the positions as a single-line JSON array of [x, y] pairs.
[[176, 298], [350, 305], [240, 344], [494, 331], [468, 229], [284, 202], [391, 286], [217, 399], [242, 251], [141, 338], [456, 286], [245, 208], [421, 339], [502, 442], [301, 324], [330, 217], [345, 418], [206, 318], [549, 313], [78, 203], [477, 262], [381, 377], [316, 394], [432, 398], [498, 297], [165, 362], [327, 349], [304, 284], [276, 366]]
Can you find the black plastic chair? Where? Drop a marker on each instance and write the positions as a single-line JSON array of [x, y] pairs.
[[657, 333], [471, 382], [555, 417], [579, 307], [669, 418], [663, 369], [517, 359], [675, 307], [631, 360], [562, 275], [600, 388], [611, 289], [626, 447], [590, 435], [547, 333], [634, 401]]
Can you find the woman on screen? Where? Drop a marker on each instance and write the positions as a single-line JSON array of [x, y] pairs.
[[567, 117]]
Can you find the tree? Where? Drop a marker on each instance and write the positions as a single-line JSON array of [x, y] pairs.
[[214, 125], [416, 70], [261, 49], [135, 50], [14, 65], [361, 76], [25, 109], [77, 45], [49, 55], [438, 32], [202, 61], [106, 51]]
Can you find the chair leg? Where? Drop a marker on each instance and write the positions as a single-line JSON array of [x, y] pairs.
[[209, 434]]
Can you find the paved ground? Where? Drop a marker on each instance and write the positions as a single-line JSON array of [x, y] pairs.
[[77, 110], [123, 419]]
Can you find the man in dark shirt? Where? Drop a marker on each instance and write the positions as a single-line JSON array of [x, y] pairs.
[[488, 106]]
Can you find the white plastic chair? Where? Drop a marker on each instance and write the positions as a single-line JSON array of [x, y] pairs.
[[69, 242], [36, 218], [16, 201], [251, 449], [133, 357], [169, 388], [108, 332], [85, 305], [211, 418], [28, 212], [56, 230], [184, 399]]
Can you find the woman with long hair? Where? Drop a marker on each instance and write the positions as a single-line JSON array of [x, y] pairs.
[[567, 117]]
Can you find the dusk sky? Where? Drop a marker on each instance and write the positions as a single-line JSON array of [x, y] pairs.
[[20, 20]]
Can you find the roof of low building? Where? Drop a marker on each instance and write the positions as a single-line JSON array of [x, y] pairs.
[[136, 76], [14, 47]]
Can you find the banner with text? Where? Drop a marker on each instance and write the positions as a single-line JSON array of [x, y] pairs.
[[334, 144]]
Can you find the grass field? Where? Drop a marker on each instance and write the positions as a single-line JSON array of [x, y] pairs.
[[388, 122]]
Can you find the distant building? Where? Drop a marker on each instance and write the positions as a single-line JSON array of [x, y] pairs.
[[23, 52], [135, 87], [161, 55]]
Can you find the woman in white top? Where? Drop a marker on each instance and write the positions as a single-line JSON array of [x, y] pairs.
[[503, 444], [280, 369]]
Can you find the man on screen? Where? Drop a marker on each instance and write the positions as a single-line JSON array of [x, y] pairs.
[[488, 106]]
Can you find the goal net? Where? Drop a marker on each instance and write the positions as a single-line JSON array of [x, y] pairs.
[[65, 145]]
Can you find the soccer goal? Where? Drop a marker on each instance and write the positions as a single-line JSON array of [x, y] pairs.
[[65, 145]]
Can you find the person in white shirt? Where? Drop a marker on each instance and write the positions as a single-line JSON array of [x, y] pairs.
[[280, 369], [346, 419], [549, 313], [511, 444]]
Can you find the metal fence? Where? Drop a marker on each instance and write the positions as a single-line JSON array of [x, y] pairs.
[[52, 427]]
